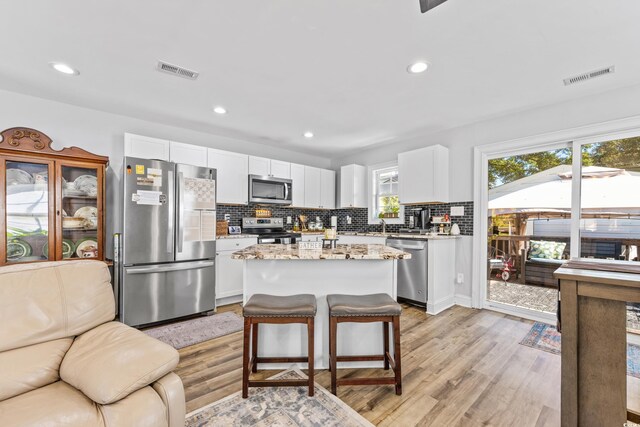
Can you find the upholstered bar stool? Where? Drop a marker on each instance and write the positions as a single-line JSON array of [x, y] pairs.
[[365, 309], [262, 308]]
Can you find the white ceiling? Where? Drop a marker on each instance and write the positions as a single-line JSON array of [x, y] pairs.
[[335, 67]]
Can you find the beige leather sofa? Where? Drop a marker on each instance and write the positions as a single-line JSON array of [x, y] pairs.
[[65, 362]]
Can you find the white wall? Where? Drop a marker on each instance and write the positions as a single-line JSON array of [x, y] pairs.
[[103, 133], [613, 105]]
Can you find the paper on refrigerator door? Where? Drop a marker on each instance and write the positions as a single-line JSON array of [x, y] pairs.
[[144, 197], [208, 222], [192, 226], [199, 193]]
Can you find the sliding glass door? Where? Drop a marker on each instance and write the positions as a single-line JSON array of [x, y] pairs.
[[529, 227], [531, 230]]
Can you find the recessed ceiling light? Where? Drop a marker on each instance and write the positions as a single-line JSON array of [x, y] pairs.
[[308, 135], [64, 68], [418, 67], [219, 110]]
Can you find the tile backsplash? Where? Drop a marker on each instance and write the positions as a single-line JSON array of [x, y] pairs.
[[359, 216]]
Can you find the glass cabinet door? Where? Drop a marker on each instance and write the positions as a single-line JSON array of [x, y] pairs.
[[28, 208], [81, 212]]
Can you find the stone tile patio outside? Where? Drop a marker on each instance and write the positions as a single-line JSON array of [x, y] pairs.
[[543, 299]]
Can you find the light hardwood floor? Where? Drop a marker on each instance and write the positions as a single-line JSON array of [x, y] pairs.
[[462, 367]]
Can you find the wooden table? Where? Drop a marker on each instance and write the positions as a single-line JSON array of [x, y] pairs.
[[594, 342]]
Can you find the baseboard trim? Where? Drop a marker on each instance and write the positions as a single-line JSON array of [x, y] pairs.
[[462, 300], [440, 305]]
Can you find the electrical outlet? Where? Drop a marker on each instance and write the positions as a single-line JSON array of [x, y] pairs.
[[460, 278], [348, 220], [289, 220], [227, 217]]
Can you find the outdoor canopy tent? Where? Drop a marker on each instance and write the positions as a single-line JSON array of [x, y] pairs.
[[605, 191]]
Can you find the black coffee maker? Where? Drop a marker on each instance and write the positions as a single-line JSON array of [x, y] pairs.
[[422, 219]]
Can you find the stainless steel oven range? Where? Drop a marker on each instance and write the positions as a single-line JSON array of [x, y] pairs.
[[269, 230]]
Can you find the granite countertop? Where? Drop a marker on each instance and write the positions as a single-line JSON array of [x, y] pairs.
[[282, 252], [414, 236], [237, 236]]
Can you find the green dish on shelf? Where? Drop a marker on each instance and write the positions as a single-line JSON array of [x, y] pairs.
[[68, 248], [17, 249]]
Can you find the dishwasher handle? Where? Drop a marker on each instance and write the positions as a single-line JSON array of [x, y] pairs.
[[414, 245]]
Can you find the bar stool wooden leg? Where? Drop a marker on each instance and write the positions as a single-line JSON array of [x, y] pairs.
[[245, 358], [329, 329], [254, 347], [311, 354], [333, 329], [385, 337], [397, 357]]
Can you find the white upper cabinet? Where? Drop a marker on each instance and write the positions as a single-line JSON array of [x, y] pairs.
[[280, 169], [312, 183], [268, 167], [188, 154], [259, 166], [145, 147], [353, 187], [423, 175], [297, 176], [319, 188], [232, 176], [327, 189]]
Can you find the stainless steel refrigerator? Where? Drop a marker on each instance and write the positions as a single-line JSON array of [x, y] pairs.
[[168, 241]]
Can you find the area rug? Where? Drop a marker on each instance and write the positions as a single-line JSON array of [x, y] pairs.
[[279, 407], [193, 331], [546, 338]]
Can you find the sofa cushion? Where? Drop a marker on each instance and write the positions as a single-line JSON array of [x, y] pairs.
[[113, 360], [27, 368], [543, 249], [142, 408], [56, 404], [51, 300]]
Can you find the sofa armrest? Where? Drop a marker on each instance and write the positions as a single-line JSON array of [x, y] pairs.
[[171, 391], [113, 360]]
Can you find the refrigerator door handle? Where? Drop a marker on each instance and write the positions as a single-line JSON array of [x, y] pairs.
[[179, 211], [172, 267], [171, 191]]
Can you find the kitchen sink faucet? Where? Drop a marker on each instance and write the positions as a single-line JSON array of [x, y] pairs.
[[384, 226]]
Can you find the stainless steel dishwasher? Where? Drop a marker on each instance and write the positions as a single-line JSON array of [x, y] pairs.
[[412, 273]]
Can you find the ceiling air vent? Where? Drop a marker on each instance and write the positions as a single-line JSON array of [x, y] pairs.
[[176, 70], [588, 76]]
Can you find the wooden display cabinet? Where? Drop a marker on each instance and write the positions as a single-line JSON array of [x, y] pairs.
[[49, 199]]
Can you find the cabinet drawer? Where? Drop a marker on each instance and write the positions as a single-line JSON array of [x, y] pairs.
[[235, 244]]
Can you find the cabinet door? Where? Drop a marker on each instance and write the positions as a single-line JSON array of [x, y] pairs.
[[352, 187], [232, 176], [259, 166], [28, 211], [188, 154], [228, 275], [311, 187], [280, 169], [145, 147], [327, 189], [81, 199], [423, 175], [297, 176]]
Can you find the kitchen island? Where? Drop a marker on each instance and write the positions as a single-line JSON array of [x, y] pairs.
[[346, 269]]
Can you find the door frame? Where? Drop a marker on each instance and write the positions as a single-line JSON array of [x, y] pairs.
[[576, 138]]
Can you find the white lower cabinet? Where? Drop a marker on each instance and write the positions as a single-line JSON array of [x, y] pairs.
[[441, 275], [229, 271]]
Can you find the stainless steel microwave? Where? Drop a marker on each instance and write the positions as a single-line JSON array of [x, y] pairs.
[[269, 189]]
